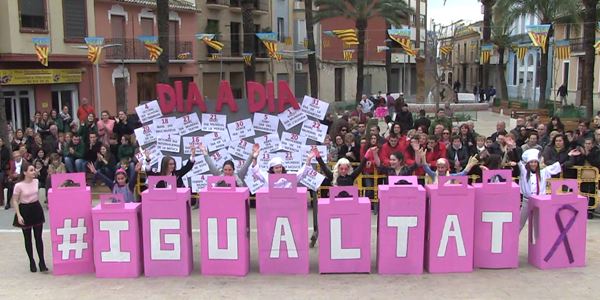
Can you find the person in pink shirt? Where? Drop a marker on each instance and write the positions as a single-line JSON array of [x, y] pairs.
[[105, 128], [29, 214]]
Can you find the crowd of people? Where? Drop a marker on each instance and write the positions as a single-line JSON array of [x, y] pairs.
[[429, 147]]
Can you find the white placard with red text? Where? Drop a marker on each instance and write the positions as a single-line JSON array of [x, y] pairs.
[[265, 123], [292, 117], [269, 142], [200, 166], [314, 130], [241, 129], [214, 122], [220, 157], [189, 141], [149, 111], [169, 142], [253, 181], [241, 149], [306, 149], [189, 123], [312, 179], [216, 140], [153, 151], [166, 125], [145, 134], [314, 107], [292, 142], [198, 183]]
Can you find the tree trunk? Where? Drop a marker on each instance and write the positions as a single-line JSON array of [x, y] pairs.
[[502, 74], [312, 57], [544, 70], [162, 20], [488, 6], [589, 36], [3, 122], [388, 62], [249, 38], [361, 26]]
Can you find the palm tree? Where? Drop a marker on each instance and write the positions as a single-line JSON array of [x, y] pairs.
[[312, 54], [249, 37], [501, 37], [360, 11], [548, 12], [590, 18], [162, 20]]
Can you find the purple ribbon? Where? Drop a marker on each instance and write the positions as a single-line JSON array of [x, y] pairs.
[[562, 238]]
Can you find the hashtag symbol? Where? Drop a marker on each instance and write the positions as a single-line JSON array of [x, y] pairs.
[[66, 232]]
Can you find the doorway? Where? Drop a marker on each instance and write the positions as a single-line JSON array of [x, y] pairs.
[[19, 106], [64, 95]]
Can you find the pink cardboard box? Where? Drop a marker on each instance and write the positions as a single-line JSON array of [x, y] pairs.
[[344, 232], [557, 228], [450, 223], [117, 238], [401, 227], [224, 228], [166, 229], [497, 210], [70, 202], [282, 223]]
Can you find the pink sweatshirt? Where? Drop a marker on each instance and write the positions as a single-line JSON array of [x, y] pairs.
[[26, 192]]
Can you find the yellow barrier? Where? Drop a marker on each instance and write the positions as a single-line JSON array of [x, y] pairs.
[[587, 176]]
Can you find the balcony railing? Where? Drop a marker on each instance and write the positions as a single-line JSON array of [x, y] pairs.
[[577, 45], [133, 49], [261, 5]]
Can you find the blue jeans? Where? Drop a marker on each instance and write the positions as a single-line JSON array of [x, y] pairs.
[[70, 164], [80, 165]]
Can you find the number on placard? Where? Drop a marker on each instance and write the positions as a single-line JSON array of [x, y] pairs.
[[315, 101], [213, 118], [196, 139], [266, 138], [165, 121], [146, 106], [316, 125], [217, 156], [266, 156], [290, 112], [216, 134], [146, 129], [289, 156], [294, 137], [266, 118], [186, 119], [242, 143], [239, 124]]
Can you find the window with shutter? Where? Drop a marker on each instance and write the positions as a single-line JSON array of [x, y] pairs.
[[32, 15], [74, 20]]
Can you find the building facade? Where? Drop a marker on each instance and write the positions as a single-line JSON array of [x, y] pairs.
[[26, 86], [466, 64], [522, 76], [337, 77], [224, 18], [127, 75]]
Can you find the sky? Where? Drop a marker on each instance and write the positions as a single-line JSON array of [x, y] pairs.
[[454, 10]]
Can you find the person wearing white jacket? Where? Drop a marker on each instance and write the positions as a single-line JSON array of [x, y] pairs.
[[533, 178], [276, 167], [228, 168]]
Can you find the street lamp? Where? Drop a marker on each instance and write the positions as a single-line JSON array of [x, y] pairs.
[[97, 72]]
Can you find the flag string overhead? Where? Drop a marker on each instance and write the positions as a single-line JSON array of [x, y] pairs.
[[348, 36], [209, 40], [269, 40], [151, 44], [42, 49], [446, 49], [247, 58], [94, 45], [486, 53], [348, 54], [539, 35], [521, 51], [562, 49], [402, 37]]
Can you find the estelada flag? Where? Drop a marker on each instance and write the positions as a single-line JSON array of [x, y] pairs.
[[402, 37], [521, 51], [151, 44], [94, 45], [348, 36], [348, 54], [247, 58], [42, 49], [539, 35], [562, 49]]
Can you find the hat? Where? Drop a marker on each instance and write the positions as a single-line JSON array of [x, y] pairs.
[[401, 94], [531, 155], [275, 161]]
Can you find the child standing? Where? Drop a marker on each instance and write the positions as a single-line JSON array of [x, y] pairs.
[[121, 184]]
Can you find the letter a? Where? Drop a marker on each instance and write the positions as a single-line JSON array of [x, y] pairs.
[[283, 233], [452, 229]]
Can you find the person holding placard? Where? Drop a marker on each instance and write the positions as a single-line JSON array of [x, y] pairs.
[[121, 184], [342, 174], [397, 166], [229, 167], [443, 167], [168, 167]]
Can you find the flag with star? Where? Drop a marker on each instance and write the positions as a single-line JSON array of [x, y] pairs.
[[42, 49], [94, 45]]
